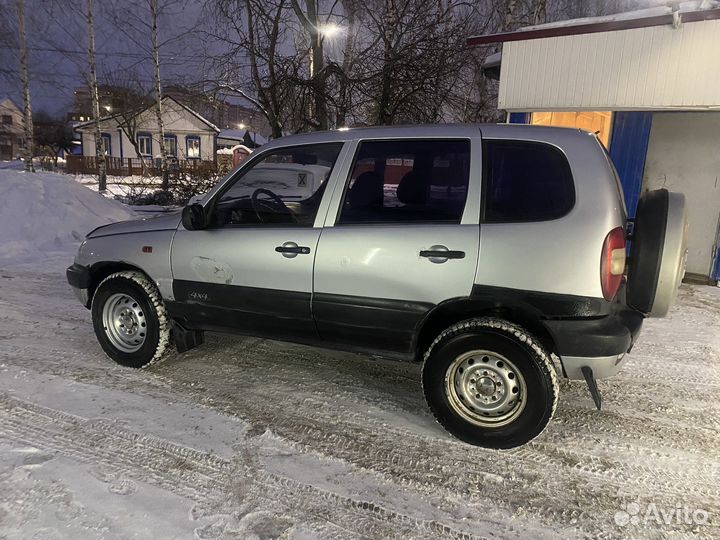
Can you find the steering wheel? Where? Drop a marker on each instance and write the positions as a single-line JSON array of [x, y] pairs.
[[273, 205]]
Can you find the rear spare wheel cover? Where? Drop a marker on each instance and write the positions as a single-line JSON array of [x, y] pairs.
[[659, 252]]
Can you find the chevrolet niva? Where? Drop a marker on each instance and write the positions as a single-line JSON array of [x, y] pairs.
[[493, 254]]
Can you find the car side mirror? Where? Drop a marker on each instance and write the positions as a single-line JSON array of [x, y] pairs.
[[193, 217]]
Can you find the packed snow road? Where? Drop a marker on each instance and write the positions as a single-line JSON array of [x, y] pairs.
[[248, 438]]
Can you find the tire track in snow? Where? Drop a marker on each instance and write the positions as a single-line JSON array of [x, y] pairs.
[[194, 474]]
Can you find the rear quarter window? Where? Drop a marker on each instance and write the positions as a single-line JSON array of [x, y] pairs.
[[525, 181]]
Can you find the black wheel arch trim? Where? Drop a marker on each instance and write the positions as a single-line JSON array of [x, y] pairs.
[[89, 277], [78, 276], [549, 316]]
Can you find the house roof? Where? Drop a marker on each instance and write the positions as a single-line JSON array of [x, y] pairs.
[[11, 101], [142, 110], [693, 11]]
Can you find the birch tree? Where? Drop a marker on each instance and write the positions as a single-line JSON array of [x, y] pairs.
[[130, 99], [100, 151], [27, 103], [154, 11]]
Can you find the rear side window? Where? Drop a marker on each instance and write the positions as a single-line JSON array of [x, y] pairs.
[[525, 181], [396, 181]]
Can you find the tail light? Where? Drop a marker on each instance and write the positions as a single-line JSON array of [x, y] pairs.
[[612, 262]]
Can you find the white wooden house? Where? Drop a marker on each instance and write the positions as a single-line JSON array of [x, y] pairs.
[[12, 127], [188, 136]]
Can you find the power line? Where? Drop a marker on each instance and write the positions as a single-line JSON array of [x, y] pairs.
[[84, 53]]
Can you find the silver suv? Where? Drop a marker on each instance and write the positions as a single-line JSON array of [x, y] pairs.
[[494, 254]]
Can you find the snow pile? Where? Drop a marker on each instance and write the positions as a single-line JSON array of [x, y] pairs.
[[47, 213]]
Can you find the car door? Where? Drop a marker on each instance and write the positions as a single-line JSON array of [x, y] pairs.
[[250, 270], [400, 238]]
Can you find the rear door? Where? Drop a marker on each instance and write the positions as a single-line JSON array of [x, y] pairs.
[[251, 270], [401, 237]]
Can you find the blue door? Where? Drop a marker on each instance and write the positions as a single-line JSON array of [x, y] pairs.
[[628, 149]]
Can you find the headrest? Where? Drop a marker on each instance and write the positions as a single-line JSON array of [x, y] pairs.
[[412, 189], [367, 191]]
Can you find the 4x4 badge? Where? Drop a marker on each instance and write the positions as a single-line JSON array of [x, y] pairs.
[[198, 296]]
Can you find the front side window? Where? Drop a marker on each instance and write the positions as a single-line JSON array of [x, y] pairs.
[[145, 145], [193, 147], [284, 187], [525, 181], [170, 142], [408, 181]]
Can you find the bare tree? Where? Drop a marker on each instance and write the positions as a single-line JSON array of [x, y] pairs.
[[130, 99], [412, 74], [27, 103], [52, 135], [154, 11], [401, 61], [343, 96], [100, 150], [254, 32], [312, 25], [139, 20]]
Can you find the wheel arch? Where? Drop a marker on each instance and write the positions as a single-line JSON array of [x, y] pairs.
[[453, 311], [100, 270]]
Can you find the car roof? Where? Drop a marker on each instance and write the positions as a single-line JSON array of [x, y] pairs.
[[504, 131]]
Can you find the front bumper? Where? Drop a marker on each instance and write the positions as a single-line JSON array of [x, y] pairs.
[[78, 277]]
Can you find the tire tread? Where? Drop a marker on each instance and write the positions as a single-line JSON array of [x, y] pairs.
[[545, 361], [156, 302]]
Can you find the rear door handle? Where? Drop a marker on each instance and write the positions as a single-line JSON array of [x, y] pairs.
[[440, 254], [291, 250]]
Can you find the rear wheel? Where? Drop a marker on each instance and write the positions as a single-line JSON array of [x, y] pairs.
[[130, 320], [489, 383]]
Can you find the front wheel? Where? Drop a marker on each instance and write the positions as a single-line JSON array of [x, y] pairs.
[[490, 383], [130, 320]]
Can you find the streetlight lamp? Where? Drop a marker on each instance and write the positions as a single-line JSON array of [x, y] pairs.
[[329, 30]]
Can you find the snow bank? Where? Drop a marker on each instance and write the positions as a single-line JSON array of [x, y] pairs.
[[48, 213]]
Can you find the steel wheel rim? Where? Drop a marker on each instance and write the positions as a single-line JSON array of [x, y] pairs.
[[124, 322], [485, 388]]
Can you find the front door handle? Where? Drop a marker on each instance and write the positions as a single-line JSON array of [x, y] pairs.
[[440, 254], [291, 250]]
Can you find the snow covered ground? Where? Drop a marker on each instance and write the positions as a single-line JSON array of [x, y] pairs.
[[248, 438]]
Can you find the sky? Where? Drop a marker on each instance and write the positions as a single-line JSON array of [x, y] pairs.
[[57, 43]]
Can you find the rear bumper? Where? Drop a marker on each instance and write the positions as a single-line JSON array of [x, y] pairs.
[[78, 277], [603, 336], [600, 343], [602, 366]]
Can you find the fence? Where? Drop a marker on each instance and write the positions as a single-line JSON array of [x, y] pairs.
[[133, 166]]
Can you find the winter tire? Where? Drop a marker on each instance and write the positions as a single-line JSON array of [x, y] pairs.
[[490, 383], [130, 320]]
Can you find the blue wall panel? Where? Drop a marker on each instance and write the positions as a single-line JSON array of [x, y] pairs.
[[628, 150], [520, 118]]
